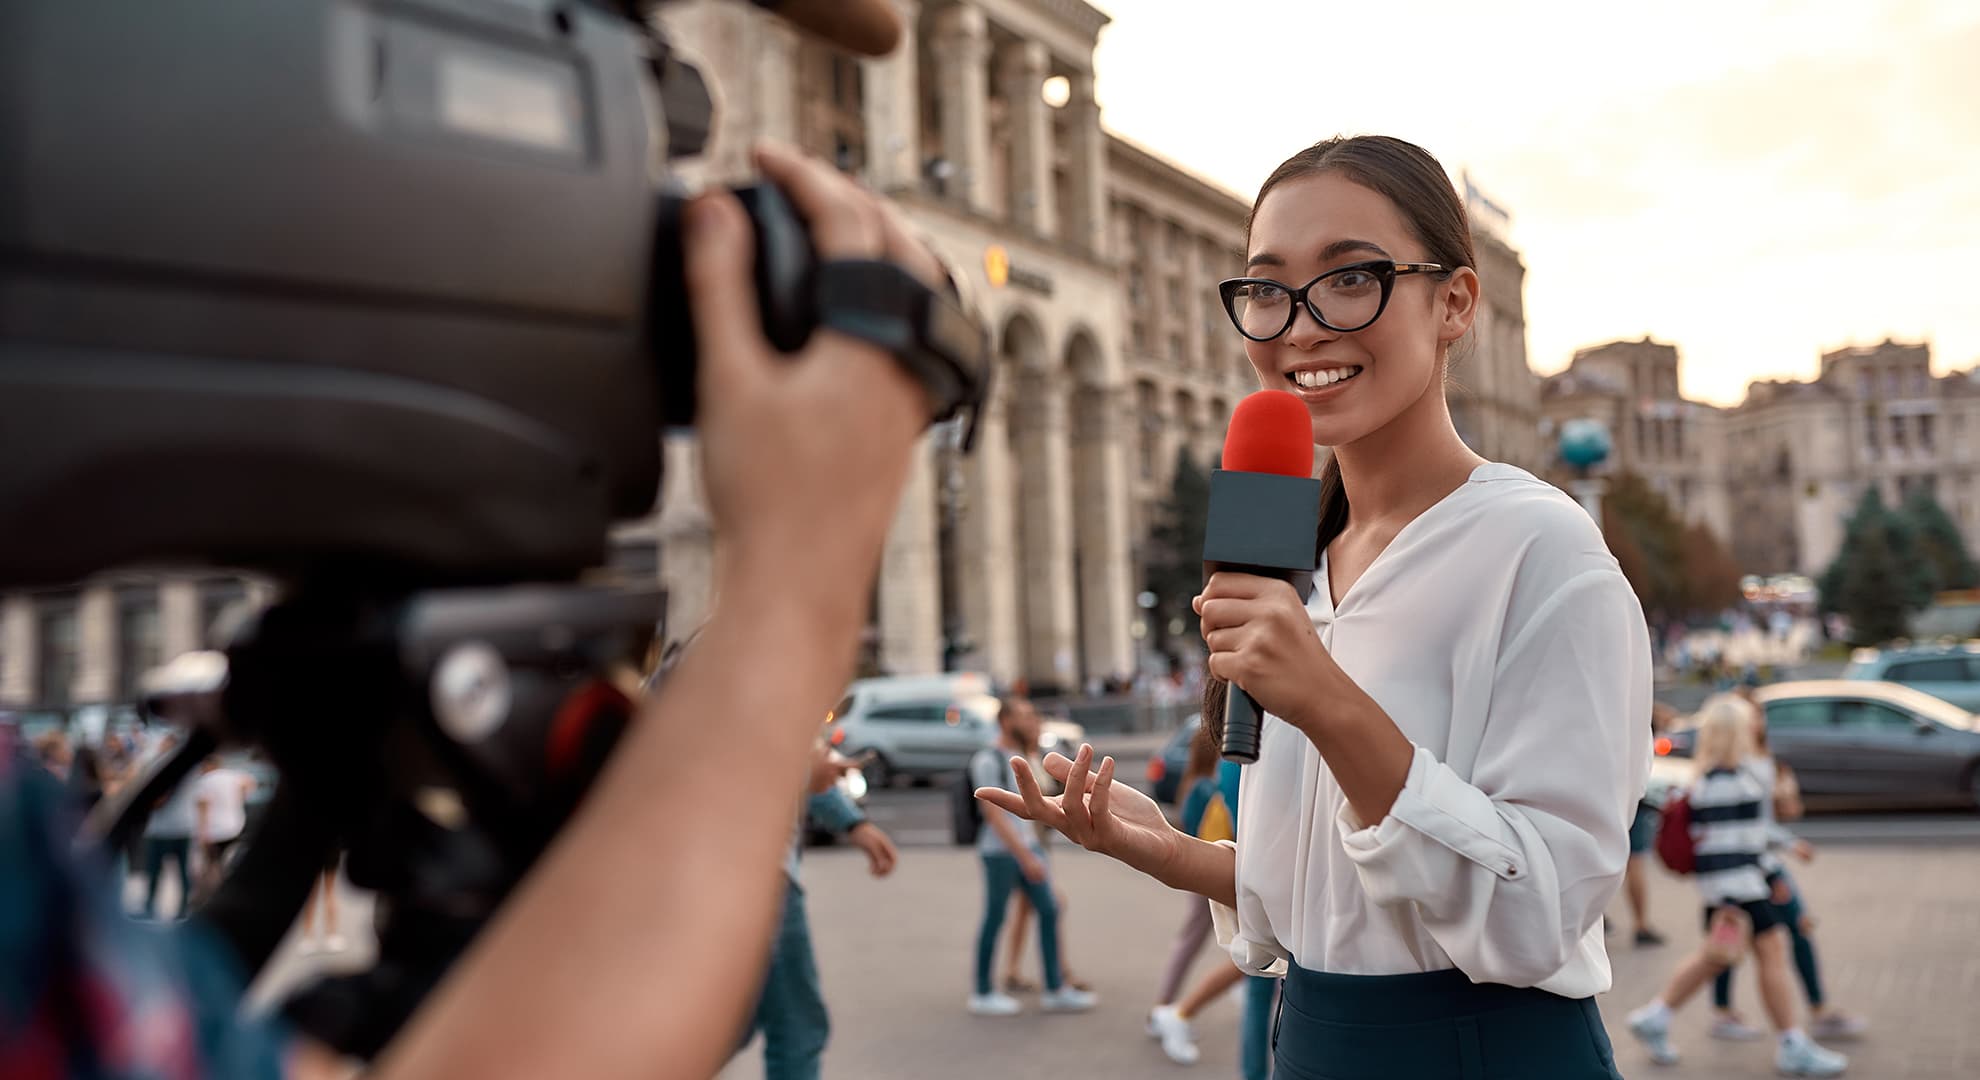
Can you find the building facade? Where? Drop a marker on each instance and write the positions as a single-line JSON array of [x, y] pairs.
[[1777, 476]]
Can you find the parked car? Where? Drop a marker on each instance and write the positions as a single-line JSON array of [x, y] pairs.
[[1951, 672], [921, 726], [1165, 769], [1868, 740]]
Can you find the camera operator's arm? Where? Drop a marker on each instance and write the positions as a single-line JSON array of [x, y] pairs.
[[637, 943]]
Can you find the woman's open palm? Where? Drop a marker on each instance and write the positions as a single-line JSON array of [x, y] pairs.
[[1097, 812]]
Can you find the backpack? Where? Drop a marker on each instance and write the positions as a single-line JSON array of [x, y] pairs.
[[1674, 843], [965, 813], [1216, 824]]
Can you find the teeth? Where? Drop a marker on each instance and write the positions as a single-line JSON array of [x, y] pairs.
[[1326, 377]]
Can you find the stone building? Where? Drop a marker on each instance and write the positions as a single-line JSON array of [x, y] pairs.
[[1777, 476]]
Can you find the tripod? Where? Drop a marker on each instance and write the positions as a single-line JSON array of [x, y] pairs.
[[439, 737]]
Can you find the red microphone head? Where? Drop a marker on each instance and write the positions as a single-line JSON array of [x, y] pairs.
[[1271, 432]]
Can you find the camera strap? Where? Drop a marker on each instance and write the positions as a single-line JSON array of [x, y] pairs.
[[928, 332]]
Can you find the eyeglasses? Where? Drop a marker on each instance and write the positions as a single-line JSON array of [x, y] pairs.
[[1356, 294]]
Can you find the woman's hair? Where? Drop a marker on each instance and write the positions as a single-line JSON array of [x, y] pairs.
[[1416, 184], [1204, 753], [1725, 732]]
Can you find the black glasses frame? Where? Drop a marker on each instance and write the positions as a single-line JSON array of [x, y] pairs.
[[1385, 270]]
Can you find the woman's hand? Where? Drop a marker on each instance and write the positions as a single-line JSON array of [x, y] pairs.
[[1262, 639], [1096, 812]]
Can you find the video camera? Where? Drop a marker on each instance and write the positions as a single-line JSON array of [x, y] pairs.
[[382, 299]]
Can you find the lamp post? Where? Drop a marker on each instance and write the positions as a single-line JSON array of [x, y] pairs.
[[1585, 444]]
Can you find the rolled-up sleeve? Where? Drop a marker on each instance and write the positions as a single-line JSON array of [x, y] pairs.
[[1510, 870], [834, 809]]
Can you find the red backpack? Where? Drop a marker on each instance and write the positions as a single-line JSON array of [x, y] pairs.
[[1674, 843]]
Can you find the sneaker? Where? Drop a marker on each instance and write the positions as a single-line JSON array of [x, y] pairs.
[[1731, 1028], [1648, 939], [1803, 1058], [1652, 1027], [1068, 999], [1177, 1035], [1836, 1026], [994, 1004]]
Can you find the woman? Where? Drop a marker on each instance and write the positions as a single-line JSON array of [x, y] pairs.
[[1730, 827], [1457, 730], [1166, 1021]]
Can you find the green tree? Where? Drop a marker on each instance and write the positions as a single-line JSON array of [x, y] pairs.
[[1648, 540], [1938, 541], [1175, 544], [1711, 578], [1871, 588]]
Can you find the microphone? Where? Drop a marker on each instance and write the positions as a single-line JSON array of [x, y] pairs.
[[1264, 519]]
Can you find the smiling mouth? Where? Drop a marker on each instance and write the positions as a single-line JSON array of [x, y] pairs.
[[1323, 378]]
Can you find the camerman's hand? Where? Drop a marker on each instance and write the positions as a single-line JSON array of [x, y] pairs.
[[803, 456]]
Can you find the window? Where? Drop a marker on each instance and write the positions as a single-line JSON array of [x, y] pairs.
[[1872, 716], [1925, 432], [1865, 385], [1803, 715], [924, 713], [1944, 669], [56, 680], [138, 646], [1176, 349]]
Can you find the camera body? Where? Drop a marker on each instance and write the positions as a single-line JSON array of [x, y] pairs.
[[389, 287]]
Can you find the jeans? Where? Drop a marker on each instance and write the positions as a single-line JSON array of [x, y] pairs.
[[1804, 959], [1000, 876], [1255, 1032], [791, 1012], [156, 848]]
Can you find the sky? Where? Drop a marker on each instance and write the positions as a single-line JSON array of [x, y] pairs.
[[1753, 181]]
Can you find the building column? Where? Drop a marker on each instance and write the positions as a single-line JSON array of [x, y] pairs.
[[986, 548], [96, 651], [961, 48], [1101, 497], [1086, 218], [893, 110], [1021, 71], [910, 614], [179, 625], [1045, 531], [775, 81], [687, 541], [20, 649]]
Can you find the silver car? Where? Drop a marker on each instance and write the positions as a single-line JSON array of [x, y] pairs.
[[1950, 672], [921, 726]]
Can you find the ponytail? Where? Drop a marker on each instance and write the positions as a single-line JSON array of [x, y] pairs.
[[1333, 519]]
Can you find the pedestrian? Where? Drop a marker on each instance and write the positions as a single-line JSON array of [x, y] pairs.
[[1013, 859], [790, 1011], [1014, 981], [1643, 837], [1209, 814], [1730, 835], [220, 798], [1826, 1022], [168, 835], [1200, 799], [1456, 721]]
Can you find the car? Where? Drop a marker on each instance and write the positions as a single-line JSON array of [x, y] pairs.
[[1166, 768], [917, 727], [1951, 672], [1855, 739]]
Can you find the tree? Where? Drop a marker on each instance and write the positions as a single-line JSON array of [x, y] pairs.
[[1938, 541], [1871, 587], [1911, 576], [1175, 544], [1635, 516], [1711, 578]]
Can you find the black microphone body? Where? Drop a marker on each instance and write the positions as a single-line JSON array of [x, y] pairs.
[[1263, 524]]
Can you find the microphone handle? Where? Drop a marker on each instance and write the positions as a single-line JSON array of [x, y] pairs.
[[1242, 719]]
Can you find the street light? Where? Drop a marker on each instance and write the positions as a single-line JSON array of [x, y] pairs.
[[1584, 444]]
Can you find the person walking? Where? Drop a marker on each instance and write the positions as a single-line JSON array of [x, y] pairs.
[[1456, 727], [1730, 833], [1012, 858]]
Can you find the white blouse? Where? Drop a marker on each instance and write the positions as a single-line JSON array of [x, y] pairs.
[[1499, 634]]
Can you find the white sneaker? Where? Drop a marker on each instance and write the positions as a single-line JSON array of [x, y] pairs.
[[1177, 1035], [1652, 1027], [994, 1004], [1801, 1057], [1068, 999]]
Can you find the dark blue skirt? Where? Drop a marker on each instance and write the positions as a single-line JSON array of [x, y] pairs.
[[1434, 1026]]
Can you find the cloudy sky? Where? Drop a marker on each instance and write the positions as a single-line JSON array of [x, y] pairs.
[[1754, 181]]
